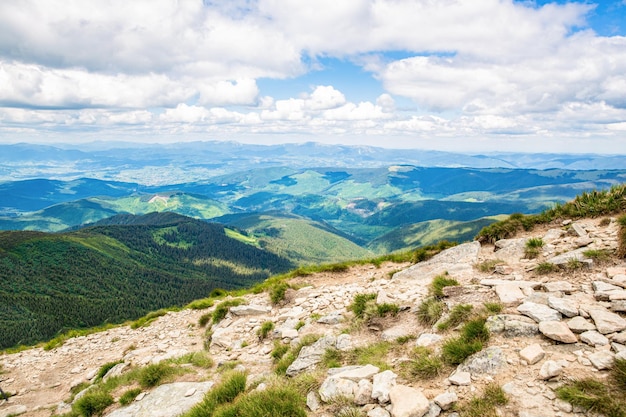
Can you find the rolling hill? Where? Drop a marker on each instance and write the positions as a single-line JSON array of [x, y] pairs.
[[116, 272]]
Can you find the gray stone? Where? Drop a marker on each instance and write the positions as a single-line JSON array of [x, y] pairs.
[[557, 330], [565, 306], [312, 401], [358, 373], [433, 411], [363, 394], [580, 325], [512, 325], [539, 312], [383, 382], [594, 338], [460, 378], [428, 339], [446, 400], [607, 322], [344, 342], [13, 410], [550, 369], [249, 310], [334, 387], [487, 361], [489, 282], [618, 306], [117, 370], [558, 286], [456, 259], [578, 230], [564, 258], [378, 412], [552, 235], [332, 318], [602, 359], [532, 354], [165, 401], [311, 355], [407, 402], [509, 294]]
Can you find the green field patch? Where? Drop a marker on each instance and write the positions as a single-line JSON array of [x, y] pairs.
[[250, 240]]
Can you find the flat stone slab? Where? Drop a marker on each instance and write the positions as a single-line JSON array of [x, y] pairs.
[[539, 312], [356, 374], [532, 354], [166, 400], [491, 282], [407, 402], [557, 330], [509, 294], [566, 306], [458, 259], [607, 322], [249, 310]]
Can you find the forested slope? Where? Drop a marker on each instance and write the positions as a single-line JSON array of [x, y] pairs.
[[51, 282]]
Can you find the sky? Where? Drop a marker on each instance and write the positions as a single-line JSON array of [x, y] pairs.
[[454, 75]]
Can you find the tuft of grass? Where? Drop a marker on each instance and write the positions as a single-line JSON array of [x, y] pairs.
[[129, 396], [300, 324], [201, 304], [386, 308], [276, 401], [473, 334], [92, 403], [292, 353], [493, 307], [106, 368], [440, 282], [279, 350], [403, 340], [265, 329], [618, 374], [205, 319], [457, 315], [598, 255], [332, 358], [222, 308], [424, 364], [150, 317], [489, 265], [154, 374], [277, 292], [360, 302], [574, 264], [475, 330], [200, 359], [544, 268], [231, 385], [621, 236], [425, 253], [485, 405], [593, 396], [374, 354], [430, 311], [533, 247]]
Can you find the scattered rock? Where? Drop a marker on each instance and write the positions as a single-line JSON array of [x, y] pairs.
[[407, 402], [460, 378], [532, 354], [550, 369], [383, 382], [446, 400], [594, 338], [606, 321], [539, 312], [557, 330], [602, 359]]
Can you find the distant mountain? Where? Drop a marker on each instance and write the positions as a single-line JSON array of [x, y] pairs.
[[118, 271]]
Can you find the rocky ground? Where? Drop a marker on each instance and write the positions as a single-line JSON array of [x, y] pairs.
[[554, 327]]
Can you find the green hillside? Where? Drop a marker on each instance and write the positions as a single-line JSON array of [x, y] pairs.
[[296, 238], [102, 274]]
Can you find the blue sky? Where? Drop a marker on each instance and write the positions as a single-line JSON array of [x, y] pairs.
[[458, 75]]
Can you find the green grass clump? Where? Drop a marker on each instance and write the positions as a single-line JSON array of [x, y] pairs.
[[425, 253], [621, 236], [387, 308], [277, 292], [129, 396], [544, 268], [574, 264], [489, 265], [485, 405], [473, 335], [430, 311], [222, 308], [493, 307], [533, 247], [618, 374], [292, 353], [457, 315], [152, 375], [92, 403], [231, 385], [205, 319], [374, 354], [332, 358], [265, 329], [593, 396], [199, 359], [424, 364], [440, 282], [359, 303], [150, 317], [279, 350], [275, 401], [598, 255], [201, 304], [105, 368]]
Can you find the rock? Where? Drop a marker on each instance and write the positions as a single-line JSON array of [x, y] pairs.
[[344, 342], [580, 325], [489, 282], [363, 394], [378, 412], [334, 387], [612, 271], [618, 306], [539, 312], [578, 229], [249, 310], [433, 411], [558, 286], [487, 361], [552, 235], [509, 294], [564, 258], [557, 330], [165, 401], [332, 318], [512, 325], [312, 401], [117, 370], [311, 355], [446, 400], [607, 322], [460, 378], [565, 306], [357, 373], [458, 259], [407, 402], [288, 333], [383, 382], [14, 410], [428, 339], [222, 338], [532, 354], [550, 369], [594, 338], [602, 359]]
